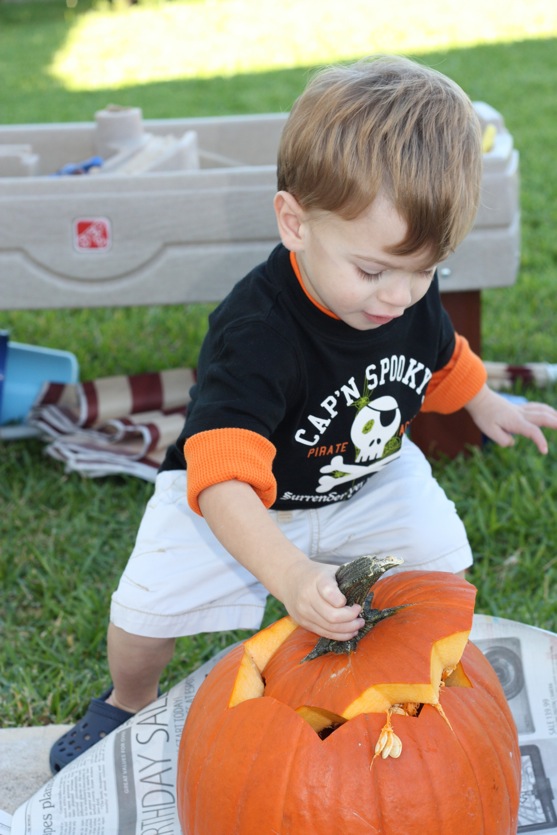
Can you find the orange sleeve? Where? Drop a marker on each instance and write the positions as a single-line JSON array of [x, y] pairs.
[[230, 454], [454, 385]]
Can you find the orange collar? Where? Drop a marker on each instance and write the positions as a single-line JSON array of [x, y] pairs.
[[321, 307]]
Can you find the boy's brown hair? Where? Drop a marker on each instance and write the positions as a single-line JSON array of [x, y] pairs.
[[386, 125]]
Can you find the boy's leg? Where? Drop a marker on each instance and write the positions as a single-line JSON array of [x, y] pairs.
[[178, 581], [136, 664], [404, 511]]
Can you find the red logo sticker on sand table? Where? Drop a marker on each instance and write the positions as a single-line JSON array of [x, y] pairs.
[[92, 233]]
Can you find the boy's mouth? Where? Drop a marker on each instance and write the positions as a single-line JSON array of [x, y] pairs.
[[379, 320]]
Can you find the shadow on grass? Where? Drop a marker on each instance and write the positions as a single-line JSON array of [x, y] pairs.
[[518, 79], [511, 76]]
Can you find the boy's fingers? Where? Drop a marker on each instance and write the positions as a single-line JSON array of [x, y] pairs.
[[340, 623], [540, 414], [333, 595], [336, 631], [529, 430], [330, 592], [533, 418], [536, 435]]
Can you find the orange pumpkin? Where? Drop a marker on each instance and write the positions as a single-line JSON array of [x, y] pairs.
[[409, 734]]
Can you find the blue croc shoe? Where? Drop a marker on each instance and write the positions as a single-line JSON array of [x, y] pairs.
[[100, 720]]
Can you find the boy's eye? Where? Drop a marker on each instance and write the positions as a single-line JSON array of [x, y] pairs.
[[369, 276]]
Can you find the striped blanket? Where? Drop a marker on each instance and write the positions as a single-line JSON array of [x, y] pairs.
[[119, 424]]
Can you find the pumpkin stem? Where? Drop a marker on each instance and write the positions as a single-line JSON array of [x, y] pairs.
[[355, 580]]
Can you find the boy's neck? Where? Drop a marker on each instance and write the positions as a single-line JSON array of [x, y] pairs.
[[298, 274]]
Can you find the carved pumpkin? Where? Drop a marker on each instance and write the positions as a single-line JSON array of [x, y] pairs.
[[409, 734]]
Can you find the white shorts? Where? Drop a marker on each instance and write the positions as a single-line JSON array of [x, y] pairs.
[[180, 580]]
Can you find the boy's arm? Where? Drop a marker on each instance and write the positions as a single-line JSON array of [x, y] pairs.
[[500, 419], [454, 385], [462, 383], [308, 589]]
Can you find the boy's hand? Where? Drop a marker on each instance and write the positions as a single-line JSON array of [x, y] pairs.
[[500, 419], [312, 597]]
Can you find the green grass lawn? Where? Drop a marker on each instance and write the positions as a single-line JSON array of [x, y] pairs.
[[64, 539]]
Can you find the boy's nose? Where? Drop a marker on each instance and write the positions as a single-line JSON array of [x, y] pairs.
[[397, 291]]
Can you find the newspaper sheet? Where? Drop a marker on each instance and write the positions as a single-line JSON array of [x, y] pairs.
[[126, 784], [525, 660]]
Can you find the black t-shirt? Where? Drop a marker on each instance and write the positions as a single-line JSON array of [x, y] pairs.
[[333, 400]]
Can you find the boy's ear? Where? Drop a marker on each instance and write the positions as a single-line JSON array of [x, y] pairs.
[[290, 216]]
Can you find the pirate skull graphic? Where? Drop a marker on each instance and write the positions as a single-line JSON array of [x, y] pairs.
[[374, 425]]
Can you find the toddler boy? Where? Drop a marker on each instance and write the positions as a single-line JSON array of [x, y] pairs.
[[295, 456]]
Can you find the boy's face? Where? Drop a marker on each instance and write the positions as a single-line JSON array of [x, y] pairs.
[[347, 268]]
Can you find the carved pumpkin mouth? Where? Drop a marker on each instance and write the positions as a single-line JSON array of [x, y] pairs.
[[317, 718], [404, 661]]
